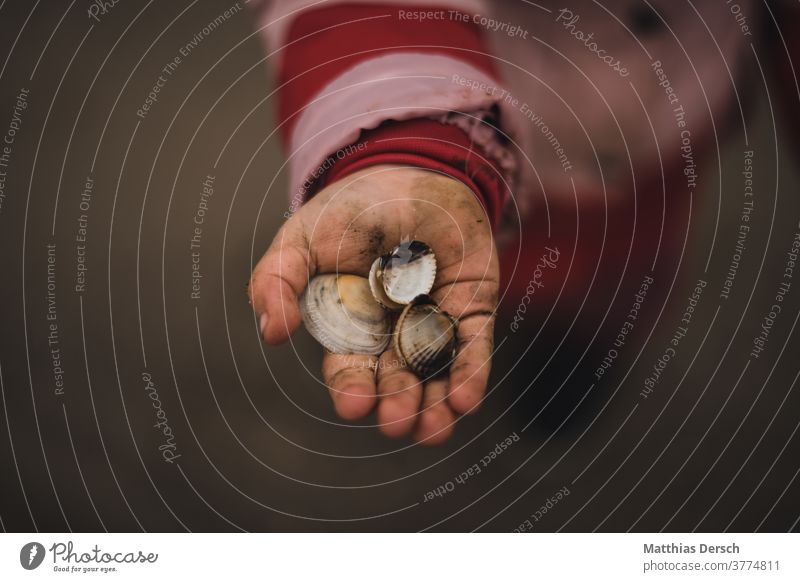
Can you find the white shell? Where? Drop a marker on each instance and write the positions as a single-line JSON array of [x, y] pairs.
[[341, 314], [426, 338], [376, 285], [407, 272]]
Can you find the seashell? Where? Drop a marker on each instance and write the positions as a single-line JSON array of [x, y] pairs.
[[426, 338], [376, 285], [405, 273], [341, 314]]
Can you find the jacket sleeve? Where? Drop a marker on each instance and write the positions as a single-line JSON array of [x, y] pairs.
[[362, 83]]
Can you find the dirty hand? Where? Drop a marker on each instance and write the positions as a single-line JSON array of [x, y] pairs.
[[343, 229]]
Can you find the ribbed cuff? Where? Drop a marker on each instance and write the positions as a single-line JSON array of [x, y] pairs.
[[429, 145]]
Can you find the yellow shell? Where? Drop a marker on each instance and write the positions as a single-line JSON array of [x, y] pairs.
[[341, 314]]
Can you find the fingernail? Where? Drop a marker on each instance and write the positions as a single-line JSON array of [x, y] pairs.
[[262, 322]]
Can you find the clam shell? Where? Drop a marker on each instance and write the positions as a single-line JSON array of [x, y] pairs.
[[341, 314], [426, 338], [376, 285], [407, 272]]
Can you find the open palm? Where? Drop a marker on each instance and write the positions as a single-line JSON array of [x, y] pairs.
[[343, 229]]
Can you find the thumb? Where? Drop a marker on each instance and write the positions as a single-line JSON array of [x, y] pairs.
[[278, 280]]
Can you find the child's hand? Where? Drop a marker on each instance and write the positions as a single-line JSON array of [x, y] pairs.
[[343, 229]]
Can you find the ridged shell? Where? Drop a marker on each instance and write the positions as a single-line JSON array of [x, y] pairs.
[[426, 338], [341, 314], [407, 272], [376, 285]]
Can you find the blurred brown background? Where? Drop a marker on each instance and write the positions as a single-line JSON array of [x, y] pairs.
[[259, 446]]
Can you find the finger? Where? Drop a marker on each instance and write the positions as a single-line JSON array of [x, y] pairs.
[[400, 394], [469, 372], [437, 419], [351, 382], [278, 280], [466, 298], [472, 303]]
